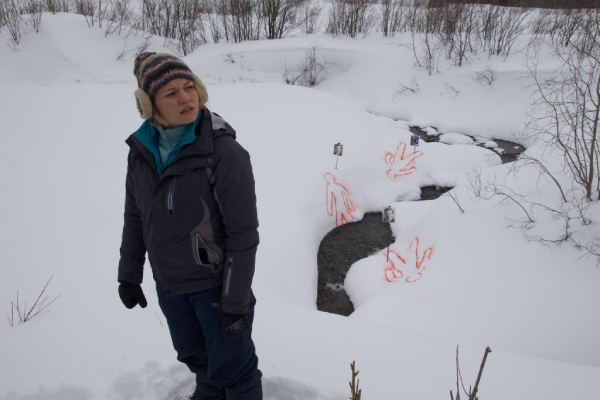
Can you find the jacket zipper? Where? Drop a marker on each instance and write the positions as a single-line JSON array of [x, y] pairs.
[[229, 273], [170, 197]]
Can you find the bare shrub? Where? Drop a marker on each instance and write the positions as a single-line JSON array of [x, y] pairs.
[[310, 71], [541, 22], [392, 16], [411, 88], [529, 162], [239, 19], [213, 20], [242, 21], [413, 18], [451, 90], [310, 17], [501, 27], [124, 51], [55, 6], [460, 29], [431, 16], [190, 26], [429, 55], [460, 24], [180, 20], [350, 17], [565, 110], [102, 9], [156, 16], [229, 58], [487, 76], [474, 183], [314, 66], [34, 8], [568, 212], [562, 24], [25, 313], [291, 77], [117, 15], [3, 14], [280, 16], [506, 196], [143, 46], [426, 22], [87, 8], [12, 18], [452, 194], [449, 192]]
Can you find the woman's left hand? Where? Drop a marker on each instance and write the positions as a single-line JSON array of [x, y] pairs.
[[233, 324]]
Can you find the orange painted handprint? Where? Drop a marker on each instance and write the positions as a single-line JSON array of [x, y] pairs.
[[335, 192], [401, 163], [409, 267]]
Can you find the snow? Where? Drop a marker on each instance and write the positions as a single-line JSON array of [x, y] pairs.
[[454, 278], [455, 138]]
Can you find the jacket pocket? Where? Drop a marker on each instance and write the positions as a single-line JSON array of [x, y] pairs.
[[207, 252], [204, 253]]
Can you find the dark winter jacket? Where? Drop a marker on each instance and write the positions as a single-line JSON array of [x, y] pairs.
[[198, 221]]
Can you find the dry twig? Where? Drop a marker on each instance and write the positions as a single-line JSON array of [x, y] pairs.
[[471, 393], [24, 313], [354, 390]]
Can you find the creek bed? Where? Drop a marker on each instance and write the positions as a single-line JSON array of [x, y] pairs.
[[347, 244]]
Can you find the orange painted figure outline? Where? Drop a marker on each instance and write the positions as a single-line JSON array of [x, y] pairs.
[[399, 166], [399, 267], [333, 191]]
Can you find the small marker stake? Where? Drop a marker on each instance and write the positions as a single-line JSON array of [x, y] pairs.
[[414, 141], [338, 149], [388, 249], [388, 216]]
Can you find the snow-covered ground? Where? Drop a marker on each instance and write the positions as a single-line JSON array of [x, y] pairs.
[[453, 278]]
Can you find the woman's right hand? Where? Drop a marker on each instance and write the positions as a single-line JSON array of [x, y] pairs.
[[131, 294]]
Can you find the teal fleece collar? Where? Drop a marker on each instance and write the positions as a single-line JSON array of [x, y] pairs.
[[168, 139], [148, 135]]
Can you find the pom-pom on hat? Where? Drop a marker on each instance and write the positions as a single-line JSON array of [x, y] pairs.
[[155, 70]]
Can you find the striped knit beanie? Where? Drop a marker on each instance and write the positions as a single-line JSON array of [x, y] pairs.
[[155, 70]]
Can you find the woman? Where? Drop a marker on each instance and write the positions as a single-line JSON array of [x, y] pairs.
[[190, 204]]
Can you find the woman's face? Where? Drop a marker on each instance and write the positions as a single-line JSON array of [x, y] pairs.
[[177, 102]]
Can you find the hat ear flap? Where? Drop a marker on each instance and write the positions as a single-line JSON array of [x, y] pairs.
[[202, 92], [144, 104]]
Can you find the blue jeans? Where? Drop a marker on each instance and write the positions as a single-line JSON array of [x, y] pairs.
[[221, 364]]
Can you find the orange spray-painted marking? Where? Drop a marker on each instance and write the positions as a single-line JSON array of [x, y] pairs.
[[400, 163], [339, 203], [409, 266]]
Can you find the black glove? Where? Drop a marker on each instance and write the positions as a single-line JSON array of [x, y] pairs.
[[132, 295], [233, 324]]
